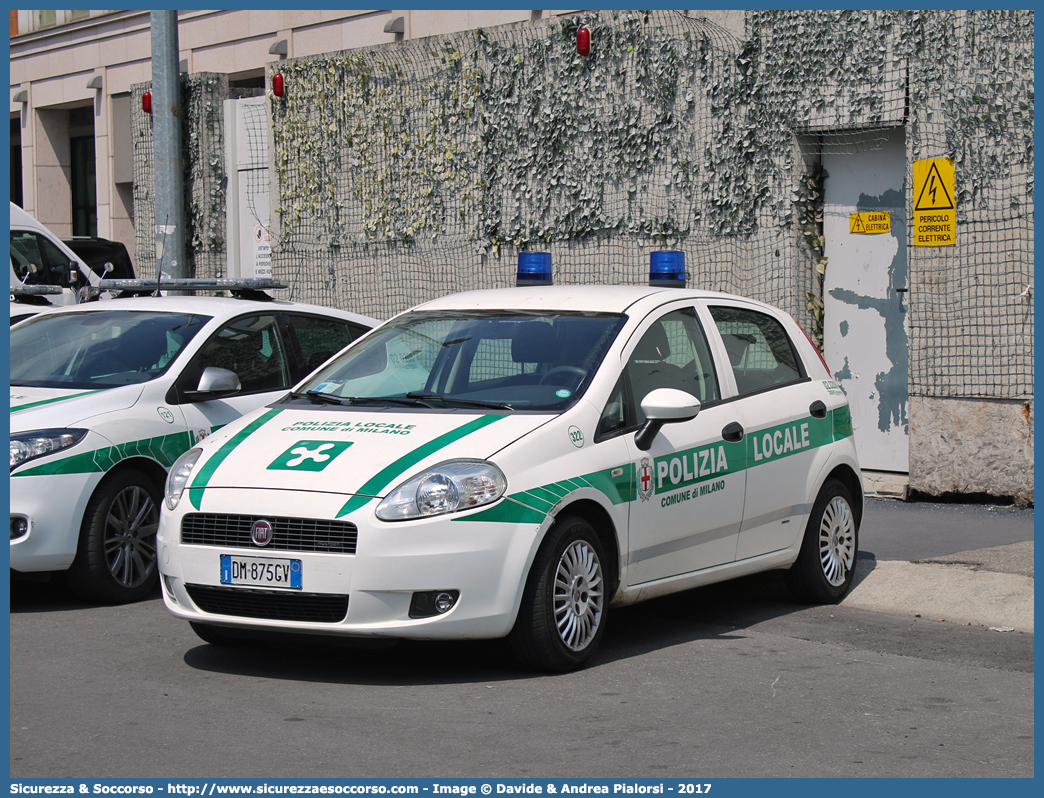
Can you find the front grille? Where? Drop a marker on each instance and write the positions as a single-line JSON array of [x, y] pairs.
[[269, 604], [288, 534]]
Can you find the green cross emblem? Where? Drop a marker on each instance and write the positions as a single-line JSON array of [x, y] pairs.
[[309, 455]]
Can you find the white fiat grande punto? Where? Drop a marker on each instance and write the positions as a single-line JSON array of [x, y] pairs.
[[515, 462], [106, 395]]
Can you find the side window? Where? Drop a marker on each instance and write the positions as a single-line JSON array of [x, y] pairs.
[[672, 353], [614, 414], [37, 261], [760, 352], [253, 349], [319, 339]]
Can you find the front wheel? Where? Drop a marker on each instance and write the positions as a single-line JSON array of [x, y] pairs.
[[562, 617], [823, 571], [116, 559]]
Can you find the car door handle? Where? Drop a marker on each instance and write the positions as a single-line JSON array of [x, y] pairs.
[[817, 409], [733, 432]]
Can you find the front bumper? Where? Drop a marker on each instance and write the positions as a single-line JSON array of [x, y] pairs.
[[486, 562], [53, 506]]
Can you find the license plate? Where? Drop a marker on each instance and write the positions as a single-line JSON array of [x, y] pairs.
[[260, 572]]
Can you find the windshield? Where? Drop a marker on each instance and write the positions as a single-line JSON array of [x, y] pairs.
[[513, 360], [98, 349]]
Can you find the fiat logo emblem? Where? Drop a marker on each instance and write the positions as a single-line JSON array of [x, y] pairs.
[[261, 533]]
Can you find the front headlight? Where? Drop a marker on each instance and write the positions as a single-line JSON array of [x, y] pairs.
[[178, 477], [444, 488], [26, 446]]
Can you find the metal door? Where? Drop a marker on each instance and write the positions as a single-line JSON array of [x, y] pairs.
[[865, 301]]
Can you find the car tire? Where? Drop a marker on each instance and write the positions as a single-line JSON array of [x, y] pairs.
[[563, 612], [215, 635], [823, 571], [116, 558]]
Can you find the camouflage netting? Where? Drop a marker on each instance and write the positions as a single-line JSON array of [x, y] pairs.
[[409, 171], [202, 141]]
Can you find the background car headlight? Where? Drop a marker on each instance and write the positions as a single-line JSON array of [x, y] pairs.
[[26, 446], [444, 488], [178, 477]]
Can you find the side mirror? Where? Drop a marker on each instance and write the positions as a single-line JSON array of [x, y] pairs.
[[107, 267], [664, 406], [214, 383]]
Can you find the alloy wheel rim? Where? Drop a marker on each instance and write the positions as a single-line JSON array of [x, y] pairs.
[[130, 536], [837, 541], [578, 595]]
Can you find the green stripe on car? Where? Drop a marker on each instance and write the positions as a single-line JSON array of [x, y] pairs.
[[199, 483], [30, 405], [531, 506], [383, 478], [164, 449], [687, 467]]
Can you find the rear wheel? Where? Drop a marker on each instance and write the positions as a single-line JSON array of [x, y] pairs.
[[562, 617], [825, 566], [116, 559]]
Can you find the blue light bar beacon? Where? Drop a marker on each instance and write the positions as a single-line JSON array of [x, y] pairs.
[[534, 268], [667, 269]]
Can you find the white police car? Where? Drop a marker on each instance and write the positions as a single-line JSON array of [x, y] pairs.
[[106, 395], [514, 462]]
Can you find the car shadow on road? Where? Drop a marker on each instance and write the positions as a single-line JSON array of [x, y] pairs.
[[714, 612], [52, 594]]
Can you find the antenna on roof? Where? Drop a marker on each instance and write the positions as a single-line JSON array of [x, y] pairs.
[[159, 271]]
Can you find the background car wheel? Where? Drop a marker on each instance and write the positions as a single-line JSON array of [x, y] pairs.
[[563, 612], [116, 559], [824, 569]]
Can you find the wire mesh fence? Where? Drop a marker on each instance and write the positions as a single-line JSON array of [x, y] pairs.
[[409, 171]]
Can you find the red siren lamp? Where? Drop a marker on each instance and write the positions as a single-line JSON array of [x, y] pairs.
[[583, 41], [146, 102], [278, 87]]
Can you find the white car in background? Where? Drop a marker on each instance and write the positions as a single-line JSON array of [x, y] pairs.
[[105, 396], [40, 258], [513, 463]]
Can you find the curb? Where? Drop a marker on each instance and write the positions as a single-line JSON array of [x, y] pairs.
[[954, 593]]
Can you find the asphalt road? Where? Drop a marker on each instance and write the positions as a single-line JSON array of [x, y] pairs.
[[726, 681], [895, 530]]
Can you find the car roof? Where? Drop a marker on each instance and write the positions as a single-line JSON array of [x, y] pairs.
[[20, 218], [588, 298], [217, 306]]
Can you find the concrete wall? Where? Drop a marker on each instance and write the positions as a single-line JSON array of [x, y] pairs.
[[972, 446]]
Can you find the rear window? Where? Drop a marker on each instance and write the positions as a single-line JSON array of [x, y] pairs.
[[760, 351]]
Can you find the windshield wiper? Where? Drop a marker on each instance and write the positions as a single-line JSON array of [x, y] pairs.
[[448, 400], [319, 398], [410, 401]]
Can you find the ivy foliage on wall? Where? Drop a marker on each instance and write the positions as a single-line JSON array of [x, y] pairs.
[[411, 164], [510, 136]]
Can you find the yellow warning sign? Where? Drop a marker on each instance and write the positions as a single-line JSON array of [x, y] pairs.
[[935, 212], [866, 223]]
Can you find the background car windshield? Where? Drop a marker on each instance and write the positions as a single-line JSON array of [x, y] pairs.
[[530, 361], [100, 349]]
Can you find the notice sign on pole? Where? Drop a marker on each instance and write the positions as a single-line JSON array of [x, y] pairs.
[[866, 223], [935, 212]]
